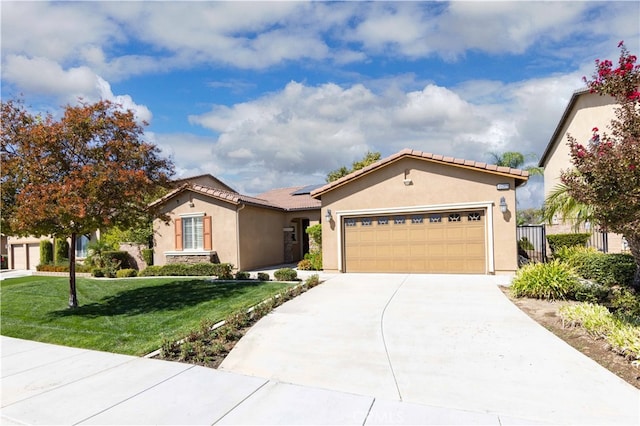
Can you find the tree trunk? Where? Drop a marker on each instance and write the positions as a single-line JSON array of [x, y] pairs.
[[73, 297], [634, 247]]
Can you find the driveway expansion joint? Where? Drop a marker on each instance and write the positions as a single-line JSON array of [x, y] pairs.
[[384, 342]]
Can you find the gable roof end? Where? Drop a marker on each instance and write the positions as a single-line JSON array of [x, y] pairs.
[[555, 137], [521, 176]]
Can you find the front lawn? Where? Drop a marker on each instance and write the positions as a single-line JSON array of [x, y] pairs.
[[128, 316]]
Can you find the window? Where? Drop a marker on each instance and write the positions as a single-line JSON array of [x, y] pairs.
[[366, 221], [398, 220], [350, 222], [454, 217], [416, 219], [383, 221], [192, 233], [435, 218], [82, 243], [473, 217]]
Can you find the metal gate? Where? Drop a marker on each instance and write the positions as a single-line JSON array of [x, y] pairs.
[[532, 243]]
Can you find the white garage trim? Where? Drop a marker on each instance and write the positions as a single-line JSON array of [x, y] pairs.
[[486, 205]]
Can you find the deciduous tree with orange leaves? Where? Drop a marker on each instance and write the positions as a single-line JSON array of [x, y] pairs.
[[89, 169]]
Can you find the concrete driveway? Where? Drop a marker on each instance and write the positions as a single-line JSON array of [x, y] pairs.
[[442, 340]]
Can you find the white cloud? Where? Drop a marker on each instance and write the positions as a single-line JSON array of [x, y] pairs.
[[300, 133]]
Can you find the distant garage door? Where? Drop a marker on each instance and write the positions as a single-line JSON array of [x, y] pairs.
[[442, 242], [25, 257]]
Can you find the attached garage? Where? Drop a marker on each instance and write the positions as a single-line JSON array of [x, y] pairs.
[[416, 212], [24, 256], [434, 242]]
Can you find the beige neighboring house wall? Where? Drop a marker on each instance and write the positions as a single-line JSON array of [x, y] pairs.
[[24, 252], [413, 183], [248, 232], [583, 112]]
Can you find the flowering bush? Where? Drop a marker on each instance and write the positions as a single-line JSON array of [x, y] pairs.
[[607, 168]]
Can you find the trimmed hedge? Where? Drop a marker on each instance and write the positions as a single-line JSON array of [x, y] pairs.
[[62, 267], [286, 274], [147, 256], [46, 252], [126, 273], [263, 276], [60, 250], [567, 240], [110, 257], [220, 270], [241, 275], [608, 269]]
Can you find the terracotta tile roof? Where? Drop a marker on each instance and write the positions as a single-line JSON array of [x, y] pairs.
[[230, 197], [520, 175], [285, 198], [280, 199]]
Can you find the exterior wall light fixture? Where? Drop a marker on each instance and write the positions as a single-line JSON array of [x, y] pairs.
[[503, 205], [327, 216]]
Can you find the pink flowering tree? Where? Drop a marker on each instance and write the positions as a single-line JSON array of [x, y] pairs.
[[606, 174]]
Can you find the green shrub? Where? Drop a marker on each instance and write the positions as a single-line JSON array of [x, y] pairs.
[[147, 256], [46, 252], [285, 274], [591, 292], [126, 273], [312, 281], [175, 269], [574, 256], [625, 302], [304, 265], [62, 267], [315, 233], [567, 240], [151, 271], [60, 250], [204, 269], [551, 281], [121, 257], [97, 272], [525, 244], [241, 275], [263, 276], [620, 334]]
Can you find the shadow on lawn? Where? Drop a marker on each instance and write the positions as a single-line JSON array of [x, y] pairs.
[[171, 296]]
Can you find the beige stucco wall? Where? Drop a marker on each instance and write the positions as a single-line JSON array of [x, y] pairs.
[[24, 252], [590, 110], [432, 184], [223, 226], [261, 237]]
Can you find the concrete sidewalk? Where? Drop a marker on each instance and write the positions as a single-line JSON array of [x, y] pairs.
[[49, 384]]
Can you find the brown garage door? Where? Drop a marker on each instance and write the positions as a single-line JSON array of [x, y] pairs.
[[443, 242]]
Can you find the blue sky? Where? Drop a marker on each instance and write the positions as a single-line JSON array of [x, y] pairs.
[[266, 95]]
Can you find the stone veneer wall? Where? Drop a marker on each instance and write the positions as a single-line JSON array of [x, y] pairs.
[[194, 258]]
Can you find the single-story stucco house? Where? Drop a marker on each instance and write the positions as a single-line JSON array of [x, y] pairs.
[[584, 111], [410, 212], [420, 212], [212, 222]]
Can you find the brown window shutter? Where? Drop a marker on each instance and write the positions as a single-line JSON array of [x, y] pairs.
[[206, 234], [178, 224]]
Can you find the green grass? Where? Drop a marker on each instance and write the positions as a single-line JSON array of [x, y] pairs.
[[128, 316]]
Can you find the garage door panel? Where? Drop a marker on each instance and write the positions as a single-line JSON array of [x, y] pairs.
[[442, 242]]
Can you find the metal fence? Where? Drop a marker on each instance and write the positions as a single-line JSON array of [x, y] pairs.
[[599, 240], [532, 242]]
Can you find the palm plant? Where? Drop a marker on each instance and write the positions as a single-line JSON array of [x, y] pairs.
[[516, 160], [560, 203]]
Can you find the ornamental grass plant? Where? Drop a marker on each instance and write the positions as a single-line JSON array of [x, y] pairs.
[[551, 281]]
